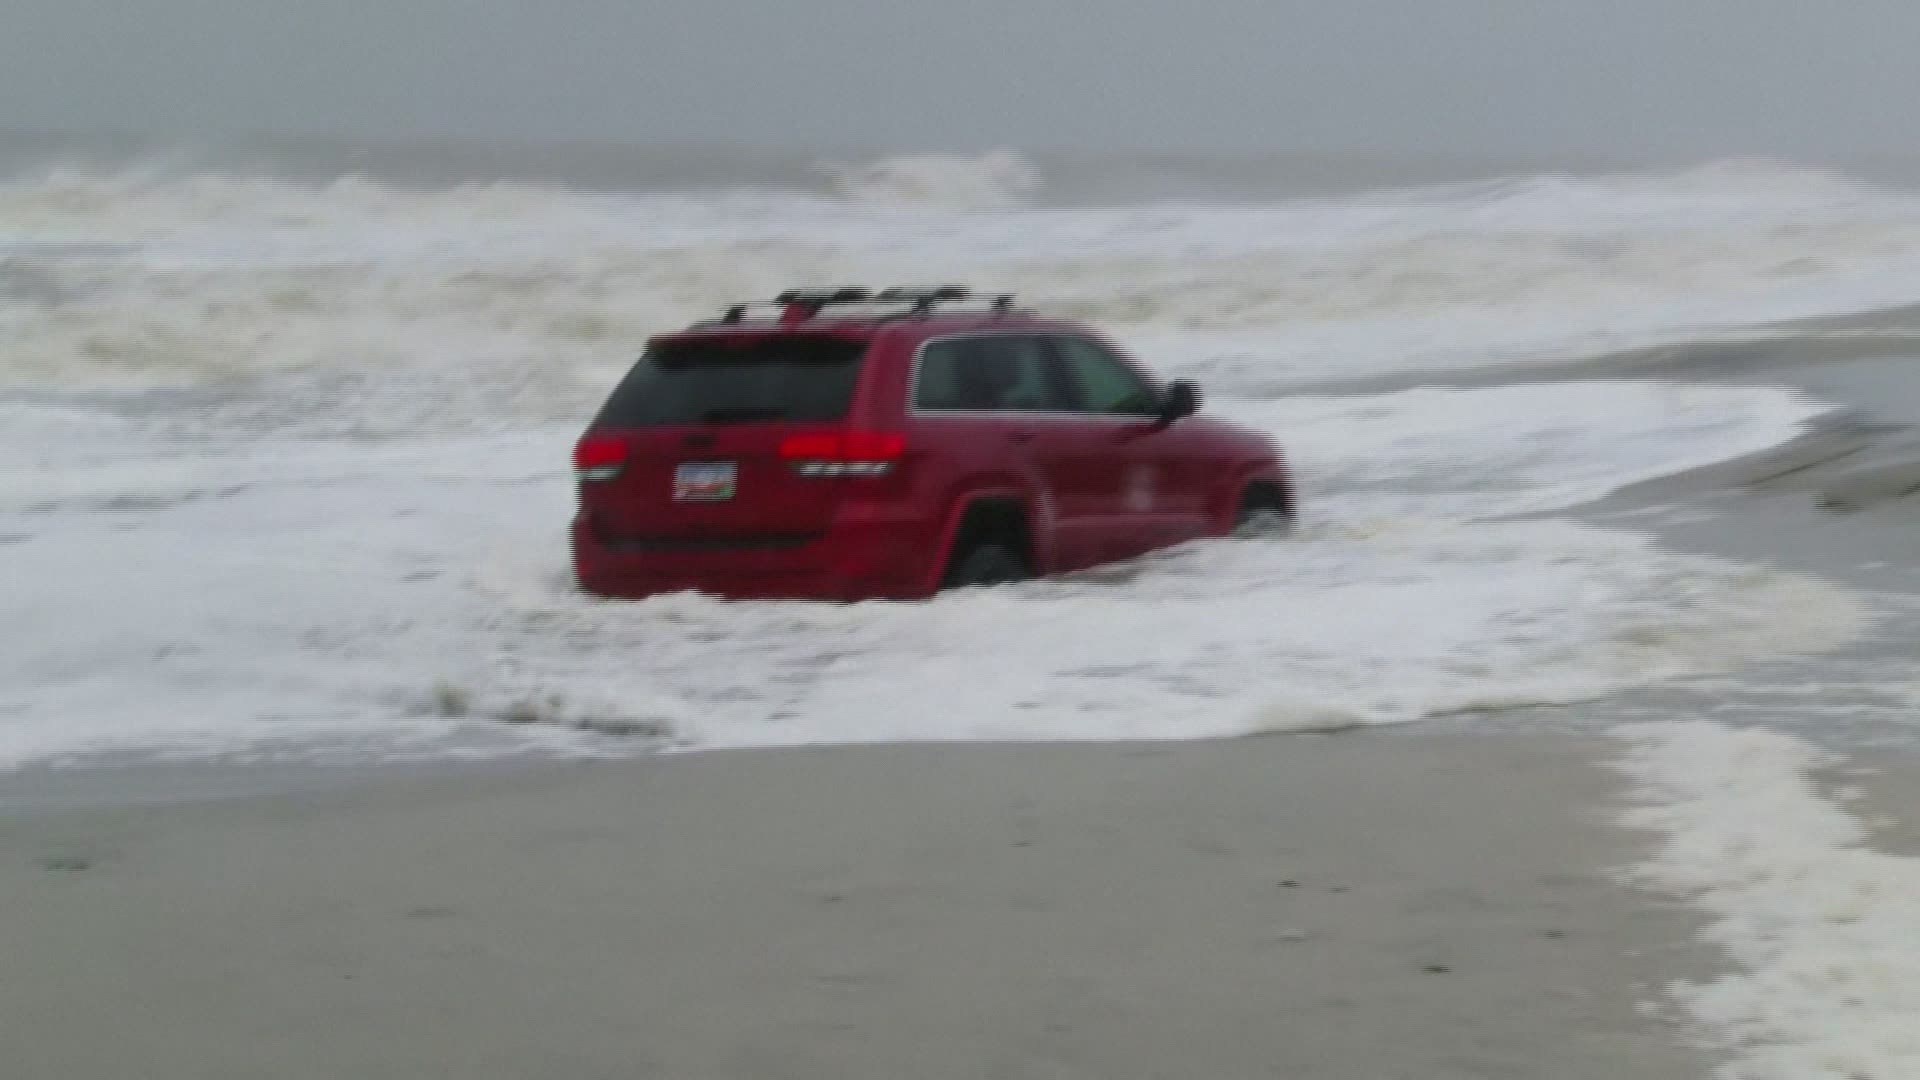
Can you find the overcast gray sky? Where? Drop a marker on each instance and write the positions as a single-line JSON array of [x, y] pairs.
[[1796, 77]]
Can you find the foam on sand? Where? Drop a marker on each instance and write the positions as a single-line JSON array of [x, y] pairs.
[[1219, 640], [411, 598], [1825, 930], [1512, 450]]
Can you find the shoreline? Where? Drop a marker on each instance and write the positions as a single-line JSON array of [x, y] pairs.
[[1742, 508], [1841, 503]]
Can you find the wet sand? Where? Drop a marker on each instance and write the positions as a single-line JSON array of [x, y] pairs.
[[1298, 907]]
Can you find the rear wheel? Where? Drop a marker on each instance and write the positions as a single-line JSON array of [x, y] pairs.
[[984, 564], [1263, 515], [990, 547]]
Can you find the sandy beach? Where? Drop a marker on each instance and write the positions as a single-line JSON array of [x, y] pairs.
[[1379, 906]]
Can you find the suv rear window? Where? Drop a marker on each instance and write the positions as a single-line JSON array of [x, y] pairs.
[[805, 379]]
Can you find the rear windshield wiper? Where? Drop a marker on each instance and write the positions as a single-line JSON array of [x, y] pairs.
[[741, 415]]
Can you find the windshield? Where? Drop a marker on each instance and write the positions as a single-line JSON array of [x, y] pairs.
[[805, 379]]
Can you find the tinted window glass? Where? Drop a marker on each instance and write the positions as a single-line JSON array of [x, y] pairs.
[[1105, 384], [997, 373], [803, 379]]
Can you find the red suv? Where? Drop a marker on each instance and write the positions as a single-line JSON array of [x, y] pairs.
[[853, 445]]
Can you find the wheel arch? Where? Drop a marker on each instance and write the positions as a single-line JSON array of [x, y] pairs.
[[1251, 477], [968, 499]]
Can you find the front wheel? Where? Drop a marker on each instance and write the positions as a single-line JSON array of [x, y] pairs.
[[1262, 516]]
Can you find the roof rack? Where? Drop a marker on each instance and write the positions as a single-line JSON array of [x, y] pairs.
[[799, 305]]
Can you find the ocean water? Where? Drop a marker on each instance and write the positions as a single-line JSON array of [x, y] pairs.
[[283, 460]]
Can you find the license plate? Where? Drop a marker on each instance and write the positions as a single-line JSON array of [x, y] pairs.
[[705, 481]]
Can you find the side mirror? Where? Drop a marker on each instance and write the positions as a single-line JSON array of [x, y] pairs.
[[1182, 400]]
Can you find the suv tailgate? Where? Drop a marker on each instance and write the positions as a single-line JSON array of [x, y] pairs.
[[701, 422]]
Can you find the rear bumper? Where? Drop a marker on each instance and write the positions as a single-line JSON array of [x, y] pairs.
[[852, 560]]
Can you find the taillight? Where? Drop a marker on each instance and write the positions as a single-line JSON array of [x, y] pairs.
[[599, 457], [851, 453]]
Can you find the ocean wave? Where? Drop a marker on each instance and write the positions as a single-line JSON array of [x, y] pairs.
[[997, 180], [409, 305]]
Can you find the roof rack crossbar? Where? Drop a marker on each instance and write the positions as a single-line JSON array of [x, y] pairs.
[[803, 304], [823, 297]]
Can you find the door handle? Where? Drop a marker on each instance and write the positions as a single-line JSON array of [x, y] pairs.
[[1020, 436]]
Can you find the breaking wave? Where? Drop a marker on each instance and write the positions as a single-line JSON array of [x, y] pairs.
[[524, 300], [999, 180]]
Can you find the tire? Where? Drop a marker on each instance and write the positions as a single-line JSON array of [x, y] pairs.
[[1262, 516], [985, 564]]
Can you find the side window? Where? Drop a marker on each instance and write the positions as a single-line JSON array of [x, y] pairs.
[[936, 380], [1105, 384], [993, 373]]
